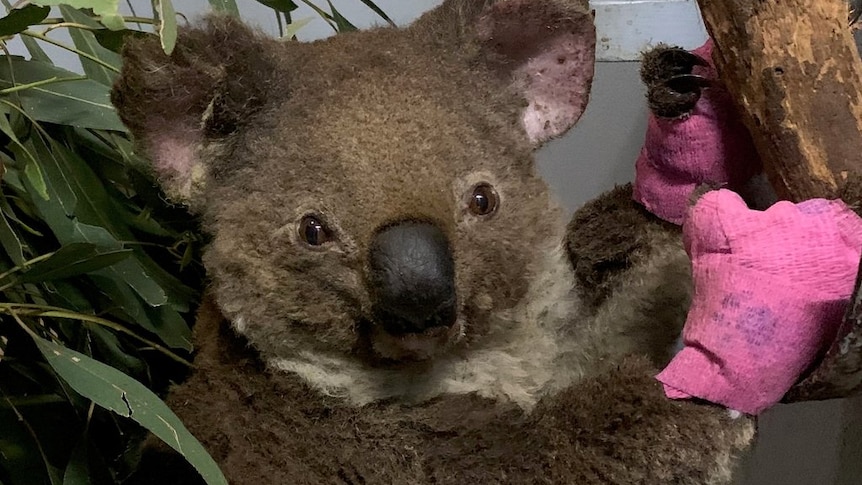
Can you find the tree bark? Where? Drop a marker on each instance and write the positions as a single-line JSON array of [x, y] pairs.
[[794, 70]]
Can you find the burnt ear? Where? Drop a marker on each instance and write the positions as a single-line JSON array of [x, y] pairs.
[[545, 48], [183, 108]]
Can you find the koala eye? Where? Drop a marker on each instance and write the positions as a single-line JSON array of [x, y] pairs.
[[313, 231], [484, 200]]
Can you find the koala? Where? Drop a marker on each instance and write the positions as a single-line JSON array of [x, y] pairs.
[[394, 296]]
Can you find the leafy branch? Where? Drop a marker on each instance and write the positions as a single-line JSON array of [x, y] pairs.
[[99, 277]]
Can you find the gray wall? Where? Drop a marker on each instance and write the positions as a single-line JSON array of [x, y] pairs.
[[803, 444]]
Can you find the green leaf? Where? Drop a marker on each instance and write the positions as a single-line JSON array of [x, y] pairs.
[[295, 26], [127, 397], [103, 8], [92, 220], [113, 22], [83, 103], [112, 350], [69, 295], [323, 14], [226, 6], [31, 166], [341, 23], [10, 241], [34, 176], [125, 280], [73, 260], [20, 452], [370, 4], [167, 24], [86, 42], [35, 50], [78, 470], [113, 40], [20, 19], [285, 6]]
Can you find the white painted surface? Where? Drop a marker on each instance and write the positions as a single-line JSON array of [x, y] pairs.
[[625, 29]]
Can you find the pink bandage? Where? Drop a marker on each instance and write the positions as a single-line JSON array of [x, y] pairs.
[[708, 146], [771, 289]]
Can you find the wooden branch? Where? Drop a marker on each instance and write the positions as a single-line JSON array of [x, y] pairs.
[[794, 70], [839, 374]]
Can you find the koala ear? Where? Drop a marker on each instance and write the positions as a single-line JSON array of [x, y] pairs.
[[548, 49], [182, 108], [545, 48]]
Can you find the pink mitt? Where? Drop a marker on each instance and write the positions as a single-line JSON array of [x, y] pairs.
[[770, 291], [708, 146]]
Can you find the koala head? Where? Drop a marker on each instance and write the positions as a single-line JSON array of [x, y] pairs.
[[372, 196]]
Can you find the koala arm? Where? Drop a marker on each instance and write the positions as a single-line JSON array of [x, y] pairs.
[[610, 235], [268, 427], [614, 428]]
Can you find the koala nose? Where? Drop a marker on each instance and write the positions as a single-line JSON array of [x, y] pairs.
[[412, 277]]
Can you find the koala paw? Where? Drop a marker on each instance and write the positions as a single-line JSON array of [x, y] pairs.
[[672, 89]]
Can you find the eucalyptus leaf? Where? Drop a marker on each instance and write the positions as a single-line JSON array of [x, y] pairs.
[[73, 260], [96, 207], [20, 456], [77, 470], [112, 350], [103, 8], [86, 42], [19, 19], [35, 50], [113, 22], [295, 26], [34, 176], [226, 6], [69, 295], [341, 22], [31, 165], [171, 327], [285, 6], [113, 40], [167, 24], [84, 103], [127, 397], [10, 241], [379, 11], [119, 279]]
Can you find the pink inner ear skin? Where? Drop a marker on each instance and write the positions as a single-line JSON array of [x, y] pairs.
[[556, 84], [547, 49], [174, 157]]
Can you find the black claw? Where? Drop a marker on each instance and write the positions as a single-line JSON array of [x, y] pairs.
[[664, 62], [687, 83], [666, 102]]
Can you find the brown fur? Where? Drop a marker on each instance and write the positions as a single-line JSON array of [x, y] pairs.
[[267, 427], [367, 130], [607, 237]]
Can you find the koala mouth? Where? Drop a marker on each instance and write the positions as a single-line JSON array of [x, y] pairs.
[[410, 346]]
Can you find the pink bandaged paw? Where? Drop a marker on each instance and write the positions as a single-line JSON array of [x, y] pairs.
[[770, 290], [708, 146]]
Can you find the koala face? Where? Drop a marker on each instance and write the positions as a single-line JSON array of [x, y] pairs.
[[391, 229], [373, 196]]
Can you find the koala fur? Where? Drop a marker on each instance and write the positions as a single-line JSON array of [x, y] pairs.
[[541, 375]]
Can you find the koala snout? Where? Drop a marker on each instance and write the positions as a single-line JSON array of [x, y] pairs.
[[412, 278]]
